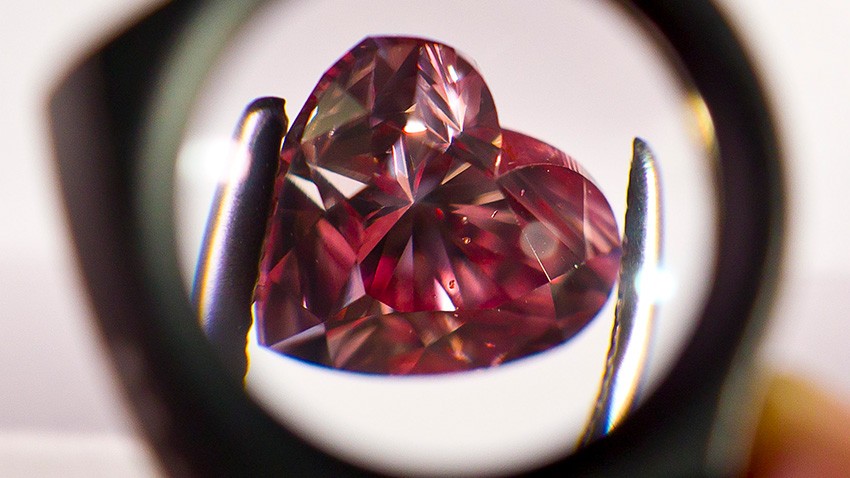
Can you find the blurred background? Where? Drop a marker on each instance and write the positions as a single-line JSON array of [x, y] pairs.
[[61, 411]]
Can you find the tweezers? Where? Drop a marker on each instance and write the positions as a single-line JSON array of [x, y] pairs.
[[228, 263]]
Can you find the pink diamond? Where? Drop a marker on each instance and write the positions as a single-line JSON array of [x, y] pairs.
[[410, 234]]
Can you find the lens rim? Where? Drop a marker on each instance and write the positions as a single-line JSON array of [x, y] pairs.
[[117, 122]]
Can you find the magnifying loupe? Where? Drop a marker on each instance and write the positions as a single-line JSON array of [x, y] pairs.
[[497, 240]]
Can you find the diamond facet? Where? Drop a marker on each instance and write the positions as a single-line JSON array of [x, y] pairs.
[[410, 234]]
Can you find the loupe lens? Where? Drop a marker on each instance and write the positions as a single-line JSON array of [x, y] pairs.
[[591, 79], [144, 129]]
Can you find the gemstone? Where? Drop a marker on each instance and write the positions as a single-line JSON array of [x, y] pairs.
[[411, 234]]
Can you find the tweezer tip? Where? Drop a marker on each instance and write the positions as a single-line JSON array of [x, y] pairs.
[[643, 161], [266, 104], [642, 149]]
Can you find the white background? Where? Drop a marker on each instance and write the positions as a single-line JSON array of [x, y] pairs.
[[61, 413]]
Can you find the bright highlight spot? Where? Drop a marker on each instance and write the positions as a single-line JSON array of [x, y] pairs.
[[655, 285], [414, 126]]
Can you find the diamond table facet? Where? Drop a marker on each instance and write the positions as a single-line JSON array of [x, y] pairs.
[[410, 234]]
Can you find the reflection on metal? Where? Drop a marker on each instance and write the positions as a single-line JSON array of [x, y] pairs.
[[626, 363], [704, 123], [230, 254]]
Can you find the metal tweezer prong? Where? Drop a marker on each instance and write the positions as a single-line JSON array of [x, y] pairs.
[[633, 319], [230, 254]]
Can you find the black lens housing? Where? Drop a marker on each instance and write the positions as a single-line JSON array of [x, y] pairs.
[[115, 165]]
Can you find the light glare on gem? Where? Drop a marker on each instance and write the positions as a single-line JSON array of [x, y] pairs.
[[452, 73], [540, 243], [414, 126], [308, 188], [346, 186]]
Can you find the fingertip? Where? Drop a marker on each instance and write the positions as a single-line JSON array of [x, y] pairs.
[[802, 432]]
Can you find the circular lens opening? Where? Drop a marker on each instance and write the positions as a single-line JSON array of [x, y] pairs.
[[585, 77]]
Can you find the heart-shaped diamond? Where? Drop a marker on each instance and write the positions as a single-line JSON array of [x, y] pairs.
[[410, 234]]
